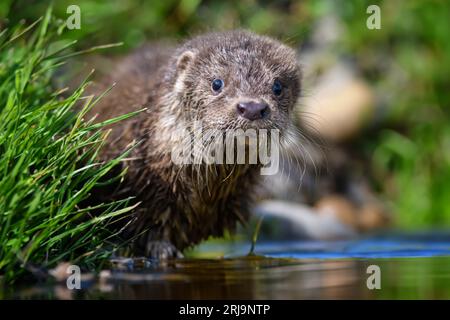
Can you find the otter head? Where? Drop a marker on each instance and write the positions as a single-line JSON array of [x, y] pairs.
[[236, 79], [233, 81]]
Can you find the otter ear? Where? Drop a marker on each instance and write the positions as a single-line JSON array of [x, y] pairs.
[[184, 60]]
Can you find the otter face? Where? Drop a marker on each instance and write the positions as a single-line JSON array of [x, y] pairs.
[[237, 80]]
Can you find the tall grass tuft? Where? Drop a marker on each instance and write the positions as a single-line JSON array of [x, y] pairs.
[[48, 160]]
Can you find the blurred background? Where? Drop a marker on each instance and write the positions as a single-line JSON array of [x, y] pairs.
[[380, 97]]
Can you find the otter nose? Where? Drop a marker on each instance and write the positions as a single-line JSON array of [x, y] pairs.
[[253, 110]]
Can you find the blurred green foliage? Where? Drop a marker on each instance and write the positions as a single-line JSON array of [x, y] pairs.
[[406, 62], [134, 21]]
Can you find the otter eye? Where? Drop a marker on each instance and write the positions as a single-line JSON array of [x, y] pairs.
[[217, 84], [277, 88]]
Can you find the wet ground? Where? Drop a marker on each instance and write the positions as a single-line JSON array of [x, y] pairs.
[[411, 267]]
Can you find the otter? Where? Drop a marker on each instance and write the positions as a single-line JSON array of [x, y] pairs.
[[228, 80]]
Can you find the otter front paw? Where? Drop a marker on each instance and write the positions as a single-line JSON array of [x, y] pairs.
[[162, 250]]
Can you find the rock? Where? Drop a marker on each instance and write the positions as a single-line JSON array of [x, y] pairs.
[[368, 217], [339, 106], [373, 216], [63, 271], [298, 221], [340, 208], [59, 273]]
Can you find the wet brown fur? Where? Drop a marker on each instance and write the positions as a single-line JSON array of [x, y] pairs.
[[183, 205]]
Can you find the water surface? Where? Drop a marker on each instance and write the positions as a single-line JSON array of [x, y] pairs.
[[412, 267]]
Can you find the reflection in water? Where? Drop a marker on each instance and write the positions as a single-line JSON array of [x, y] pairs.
[[264, 278], [411, 268], [254, 278]]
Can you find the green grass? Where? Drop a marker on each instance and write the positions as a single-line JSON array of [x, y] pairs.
[[48, 160]]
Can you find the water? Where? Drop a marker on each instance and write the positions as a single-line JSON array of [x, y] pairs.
[[412, 267]]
